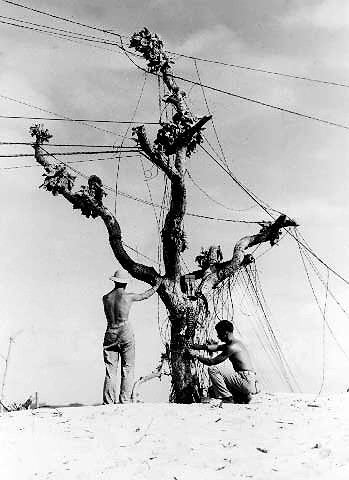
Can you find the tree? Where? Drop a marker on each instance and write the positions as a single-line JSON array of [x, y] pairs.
[[175, 142]]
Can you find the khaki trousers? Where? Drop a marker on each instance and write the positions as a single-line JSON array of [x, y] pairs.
[[226, 382], [119, 344]]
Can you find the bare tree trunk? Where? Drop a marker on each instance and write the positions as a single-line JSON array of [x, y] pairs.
[[176, 141], [185, 387]]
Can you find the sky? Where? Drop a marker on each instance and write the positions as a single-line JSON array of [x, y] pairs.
[[55, 263]]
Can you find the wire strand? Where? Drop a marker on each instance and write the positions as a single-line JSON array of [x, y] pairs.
[[260, 70], [191, 57], [82, 122], [16, 117]]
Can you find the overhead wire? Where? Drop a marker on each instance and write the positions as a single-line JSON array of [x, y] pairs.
[[124, 138], [58, 17], [36, 165], [210, 87], [217, 202], [248, 99], [133, 197], [59, 31], [309, 250], [82, 122], [267, 209], [223, 157], [151, 198], [239, 183], [92, 152], [17, 117], [79, 40], [191, 57], [143, 168], [259, 70], [282, 355], [266, 345], [274, 342], [72, 145], [317, 273], [324, 337], [209, 112], [318, 304], [139, 253]]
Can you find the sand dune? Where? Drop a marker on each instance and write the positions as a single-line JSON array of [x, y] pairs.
[[277, 436]]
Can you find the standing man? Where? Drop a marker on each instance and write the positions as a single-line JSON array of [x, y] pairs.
[[119, 338], [234, 381]]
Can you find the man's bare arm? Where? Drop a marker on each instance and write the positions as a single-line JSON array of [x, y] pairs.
[[226, 353], [137, 297], [207, 347]]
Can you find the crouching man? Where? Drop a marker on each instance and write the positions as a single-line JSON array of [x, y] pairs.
[[233, 381]]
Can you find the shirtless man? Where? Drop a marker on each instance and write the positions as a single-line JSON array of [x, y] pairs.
[[234, 381], [119, 338]]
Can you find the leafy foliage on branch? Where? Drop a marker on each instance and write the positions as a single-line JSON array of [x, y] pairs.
[[57, 180], [40, 133], [273, 229], [82, 201], [152, 49], [172, 134], [88, 199], [209, 257]]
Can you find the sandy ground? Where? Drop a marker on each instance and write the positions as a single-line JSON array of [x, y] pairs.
[[277, 436]]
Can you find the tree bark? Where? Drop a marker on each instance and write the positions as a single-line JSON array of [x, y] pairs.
[[185, 387], [217, 273]]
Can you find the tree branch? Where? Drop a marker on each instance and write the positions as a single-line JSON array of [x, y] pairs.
[[89, 201], [152, 155], [217, 273], [185, 138]]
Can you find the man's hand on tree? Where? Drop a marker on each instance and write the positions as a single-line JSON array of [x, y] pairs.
[[196, 346], [188, 354]]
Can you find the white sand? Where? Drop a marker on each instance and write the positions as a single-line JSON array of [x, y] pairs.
[[277, 436]]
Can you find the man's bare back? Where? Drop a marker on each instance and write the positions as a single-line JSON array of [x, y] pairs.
[[117, 303], [238, 355]]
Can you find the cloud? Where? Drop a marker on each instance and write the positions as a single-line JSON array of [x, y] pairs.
[[212, 38], [328, 14]]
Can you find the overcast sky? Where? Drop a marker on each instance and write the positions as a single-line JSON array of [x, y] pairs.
[[55, 263]]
